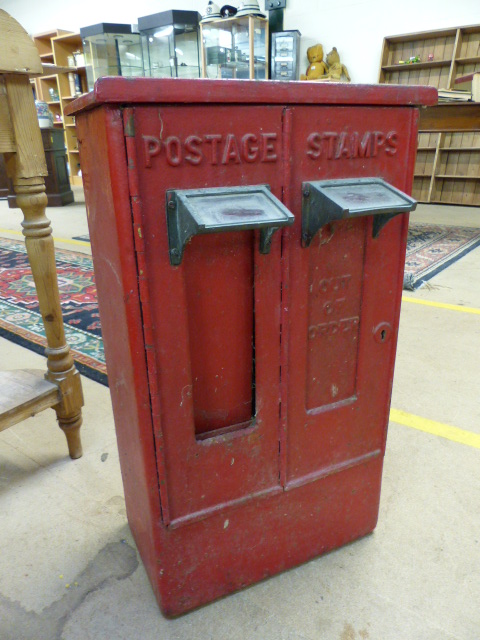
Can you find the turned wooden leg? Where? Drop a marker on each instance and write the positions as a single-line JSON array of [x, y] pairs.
[[26, 166], [32, 200]]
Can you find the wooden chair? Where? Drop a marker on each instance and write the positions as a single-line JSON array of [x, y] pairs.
[[24, 393]]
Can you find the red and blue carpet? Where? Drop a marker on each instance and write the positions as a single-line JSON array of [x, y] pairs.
[[431, 248], [20, 320]]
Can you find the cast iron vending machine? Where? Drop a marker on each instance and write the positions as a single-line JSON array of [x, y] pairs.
[[249, 251]]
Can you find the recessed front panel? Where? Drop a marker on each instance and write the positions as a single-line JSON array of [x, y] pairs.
[[215, 316], [334, 310], [343, 286]]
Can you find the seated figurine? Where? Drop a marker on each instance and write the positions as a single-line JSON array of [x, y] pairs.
[[335, 68], [317, 69]]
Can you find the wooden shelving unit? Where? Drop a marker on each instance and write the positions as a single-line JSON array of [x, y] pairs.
[[448, 168], [448, 161], [63, 48], [43, 42], [441, 46], [43, 85], [57, 47]]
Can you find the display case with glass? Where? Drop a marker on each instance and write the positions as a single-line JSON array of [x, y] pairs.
[[235, 48], [111, 50], [170, 41]]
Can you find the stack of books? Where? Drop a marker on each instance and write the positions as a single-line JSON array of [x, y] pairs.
[[449, 95], [471, 91]]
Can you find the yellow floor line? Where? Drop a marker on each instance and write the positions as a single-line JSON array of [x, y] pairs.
[[436, 428], [82, 243], [401, 417], [441, 305]]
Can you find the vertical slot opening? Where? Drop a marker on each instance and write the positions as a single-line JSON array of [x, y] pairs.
[[219, 287]]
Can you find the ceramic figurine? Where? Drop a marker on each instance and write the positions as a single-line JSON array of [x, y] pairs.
[[44, 115]]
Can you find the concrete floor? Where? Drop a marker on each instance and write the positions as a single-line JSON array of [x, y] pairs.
[[69, 569]]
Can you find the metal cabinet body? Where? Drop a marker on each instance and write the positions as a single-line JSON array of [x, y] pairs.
[[251, 391], [285, 55]]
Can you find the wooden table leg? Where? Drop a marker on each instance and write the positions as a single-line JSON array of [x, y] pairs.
[[32, 200], [21, 144], [26, 167]]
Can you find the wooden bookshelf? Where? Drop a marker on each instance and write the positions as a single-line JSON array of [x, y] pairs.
[[64, 47], [45, 84], [447, 169], [59, 89], [43, 42], [444, 55]]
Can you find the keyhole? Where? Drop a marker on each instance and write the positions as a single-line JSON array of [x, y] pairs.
[[382, 332]]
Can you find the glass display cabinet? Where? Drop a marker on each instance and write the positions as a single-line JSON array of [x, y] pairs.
[[235, 48], [111, 50], [170, 41]]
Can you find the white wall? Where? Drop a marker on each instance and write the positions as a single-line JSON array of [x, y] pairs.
[[355, 27]]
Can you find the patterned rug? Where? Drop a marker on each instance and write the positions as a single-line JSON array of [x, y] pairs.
[[432, 248], [20, 320]]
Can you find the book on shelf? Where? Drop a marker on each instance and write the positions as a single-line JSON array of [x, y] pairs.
[[474, 79], [454, 95]]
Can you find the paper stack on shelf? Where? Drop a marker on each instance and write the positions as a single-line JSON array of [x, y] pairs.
[[454, 95]]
